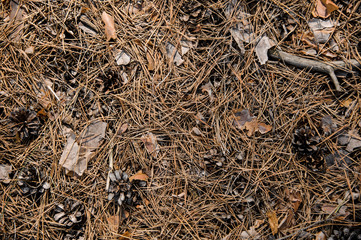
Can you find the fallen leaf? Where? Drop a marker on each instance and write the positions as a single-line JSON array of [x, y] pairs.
[[273, 221], [296, 199], [262, 49], [245, 121], [109, 26], [125, 236], [186, 46], [4, 173], [208, 88], [113, 223], [339, 159], [150, 61], [324, 8], [173, 54], [346, 103], [327, 124], [320, 236], [122, 129], [139, 176], [29, 50], [196, 131], [16, 17], [250, 234], [322, 29], [77, 154], [122, 58], [151, 144]]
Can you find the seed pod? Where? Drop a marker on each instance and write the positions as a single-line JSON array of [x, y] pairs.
[[32, 182], [24, 124], [70, 214]]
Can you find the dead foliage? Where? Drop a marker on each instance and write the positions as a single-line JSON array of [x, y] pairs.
[[189, 104]]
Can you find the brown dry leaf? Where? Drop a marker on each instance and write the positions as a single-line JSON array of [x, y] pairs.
[[324, 8], [139, 176], [320, 236], [150, 61], [151, 144], [122, 58], [273, 221], [109, 26], [125, 236], [16, 17], [173, 54], [296, 199], [114, 222], [245, 121], [208, 89], [77, 154], [122, 129], [346, 103], [4, 173]]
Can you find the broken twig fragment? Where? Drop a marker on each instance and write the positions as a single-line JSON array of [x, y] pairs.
[[314, 65]]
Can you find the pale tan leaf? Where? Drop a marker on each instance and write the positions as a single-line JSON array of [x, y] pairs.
[[16, 18], [262, 48], [264, 128], [113, 223], [324, 8], [320, 236], [123, 128], [69, 157], [139, 176], [109, 26], [173, 54], [122, 58], [151, 144], [273, 221], [150, 61], [29, 50], [4, 173], [76, 156]]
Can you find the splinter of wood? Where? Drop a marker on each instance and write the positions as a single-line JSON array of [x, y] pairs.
[[312, 64]]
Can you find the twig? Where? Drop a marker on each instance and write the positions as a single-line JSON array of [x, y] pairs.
[[314, 65]]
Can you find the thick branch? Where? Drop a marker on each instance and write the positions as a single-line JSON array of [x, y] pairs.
[[313, 64]]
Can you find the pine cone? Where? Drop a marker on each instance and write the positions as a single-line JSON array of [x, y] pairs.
[[193, 12], [305, 141], [31, 182], [71, 213], [121, 190], [213, 160], [25, 124], [346, 233]]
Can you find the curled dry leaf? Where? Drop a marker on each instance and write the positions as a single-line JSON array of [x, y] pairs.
[[113, 223], [109, 26], [122, 58], [324, 8], [139, 176], [16, 17], [262, 49], [77, 154], [273, 221], [245, 121], [122, 129], [4, 173], [173, 54], [208, 89], [151, 144], [150, 60]]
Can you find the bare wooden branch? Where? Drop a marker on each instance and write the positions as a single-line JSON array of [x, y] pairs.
[[318, 66]]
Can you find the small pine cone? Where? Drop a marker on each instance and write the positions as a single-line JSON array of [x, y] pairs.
[[213, 160], [76, 234], [71, 213], [31, 182], [121, 190], [24, 124], [346, 233], [305, 141], [192, 11]]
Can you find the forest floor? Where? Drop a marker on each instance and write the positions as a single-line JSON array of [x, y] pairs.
[[212, 139]]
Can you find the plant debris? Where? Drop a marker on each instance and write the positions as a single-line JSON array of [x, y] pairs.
[[24, 124]]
